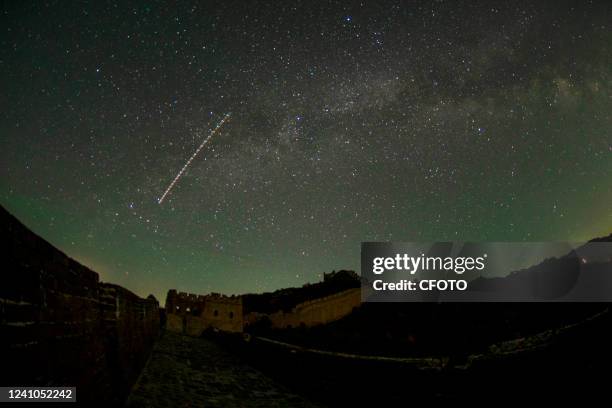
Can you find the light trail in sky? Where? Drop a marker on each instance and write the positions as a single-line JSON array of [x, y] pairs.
[[193, 156]]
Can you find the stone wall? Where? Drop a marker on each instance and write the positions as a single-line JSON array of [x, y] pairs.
[[60, 326], [192, 314], [318, 311], [174, 322], [224, 313], [132, 325]]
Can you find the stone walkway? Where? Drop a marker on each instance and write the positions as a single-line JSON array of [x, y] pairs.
[[192, 372]]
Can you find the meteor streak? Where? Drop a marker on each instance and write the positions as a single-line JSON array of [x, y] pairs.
[[193, 156]]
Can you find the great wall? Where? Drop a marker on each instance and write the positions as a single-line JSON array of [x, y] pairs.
[[313, 312], [60, 325], [192, 314]]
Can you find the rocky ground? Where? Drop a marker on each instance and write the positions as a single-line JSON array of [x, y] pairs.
[[193, 372]]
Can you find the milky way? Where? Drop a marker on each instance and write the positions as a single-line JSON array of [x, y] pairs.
[[351, 122]]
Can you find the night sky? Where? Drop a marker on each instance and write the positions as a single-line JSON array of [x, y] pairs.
[[350, 122]]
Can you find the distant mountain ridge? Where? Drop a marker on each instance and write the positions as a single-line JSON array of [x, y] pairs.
[[580, 275]]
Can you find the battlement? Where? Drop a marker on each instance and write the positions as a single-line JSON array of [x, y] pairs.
[[217, 298], [188, 296]]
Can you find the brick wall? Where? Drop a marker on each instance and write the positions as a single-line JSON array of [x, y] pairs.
[[60, 326]]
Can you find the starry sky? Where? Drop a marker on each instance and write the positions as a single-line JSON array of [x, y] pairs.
[[350, 122]]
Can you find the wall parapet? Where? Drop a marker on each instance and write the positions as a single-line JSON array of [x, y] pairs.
[[313, 312], [60, 325]]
